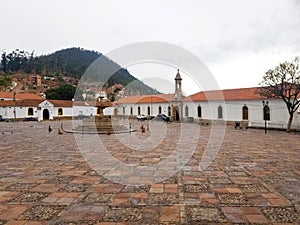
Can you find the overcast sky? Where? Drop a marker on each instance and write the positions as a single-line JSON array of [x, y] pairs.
[[237, 40]]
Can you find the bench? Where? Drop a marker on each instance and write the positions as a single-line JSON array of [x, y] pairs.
[[269, 124]]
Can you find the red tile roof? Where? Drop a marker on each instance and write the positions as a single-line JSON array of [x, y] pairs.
[[146, 99], [23, 102], [226, 95], [56, 103], [21, 95], [36, 102], [62, 103]]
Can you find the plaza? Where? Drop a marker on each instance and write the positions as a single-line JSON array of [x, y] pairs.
[[47, 178]]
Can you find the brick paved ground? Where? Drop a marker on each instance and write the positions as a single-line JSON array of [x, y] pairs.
[[44, 179]]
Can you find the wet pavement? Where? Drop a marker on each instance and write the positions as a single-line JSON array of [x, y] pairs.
[[45, 178]]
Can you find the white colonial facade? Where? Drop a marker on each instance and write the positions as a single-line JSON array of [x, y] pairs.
[[250, 111], [42, 109], [229, 106], [147, 108]]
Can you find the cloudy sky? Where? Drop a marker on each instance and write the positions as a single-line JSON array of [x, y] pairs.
[[237, 40]]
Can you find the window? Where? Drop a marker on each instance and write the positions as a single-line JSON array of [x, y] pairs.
[[169, 110], [220, 112], [131, 110], [199, 111], [245, 113], [186, 111], [139, 110], [266, 112], [30, 112], [148, 111], [159, 110], [60, 111]]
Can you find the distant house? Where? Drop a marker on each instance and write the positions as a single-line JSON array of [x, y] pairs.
[[48, 78], [35, 80]]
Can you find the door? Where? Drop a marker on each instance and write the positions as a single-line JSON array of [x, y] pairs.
[[46, 114]]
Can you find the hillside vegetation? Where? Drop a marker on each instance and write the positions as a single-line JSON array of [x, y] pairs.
[[74, 63]]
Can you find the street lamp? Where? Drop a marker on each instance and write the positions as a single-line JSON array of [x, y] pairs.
[[151, 105], [266, 112], [14, 100]]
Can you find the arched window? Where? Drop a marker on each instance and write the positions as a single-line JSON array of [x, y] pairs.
[[169, 110], [60, 111], [159, 109], [139, 110], [186, 111], [245, 113], [199, 111], [148, 111], [220, 112], [266, 112], [30, 112], [131, 110]]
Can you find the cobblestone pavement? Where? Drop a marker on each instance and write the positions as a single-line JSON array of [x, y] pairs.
[[44, 179]]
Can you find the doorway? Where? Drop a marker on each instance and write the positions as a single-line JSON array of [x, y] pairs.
[[176, 113], [46, 114]]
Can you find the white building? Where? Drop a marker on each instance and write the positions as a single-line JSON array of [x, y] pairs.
[[243, 105], [31, 106], [39, 109]]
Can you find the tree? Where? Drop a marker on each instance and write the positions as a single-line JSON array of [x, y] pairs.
[[63, 92], [284, 82], [5, 82], [3, 62]]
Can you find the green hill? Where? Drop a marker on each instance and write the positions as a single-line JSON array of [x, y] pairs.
[[76, 63]]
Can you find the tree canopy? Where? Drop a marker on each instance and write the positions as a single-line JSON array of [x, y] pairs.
[[5, 82], [64, 92], [284, 82]]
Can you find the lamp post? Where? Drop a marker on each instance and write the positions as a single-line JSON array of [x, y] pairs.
[[151, 105], [14, 99], [265, 106]]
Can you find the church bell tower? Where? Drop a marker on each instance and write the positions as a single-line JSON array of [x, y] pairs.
[[177, 99], [178, 91]]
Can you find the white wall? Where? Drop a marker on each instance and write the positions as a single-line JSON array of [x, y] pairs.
[[67, 111], [154, 108], [21, 112], [84, 110], [232, 111]]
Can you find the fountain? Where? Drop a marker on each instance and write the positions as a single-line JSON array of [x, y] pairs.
[[100, 123]]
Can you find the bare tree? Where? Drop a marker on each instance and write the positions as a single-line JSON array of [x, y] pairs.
[[284, 82]]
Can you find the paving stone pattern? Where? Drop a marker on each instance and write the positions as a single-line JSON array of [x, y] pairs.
[[44, 179]]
